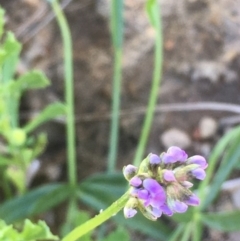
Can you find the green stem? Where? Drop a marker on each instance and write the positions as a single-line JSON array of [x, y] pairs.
[[176, 234], [187, 232], [117, 36], [158, 59], [69, 91], [198, 228], [97, 220]]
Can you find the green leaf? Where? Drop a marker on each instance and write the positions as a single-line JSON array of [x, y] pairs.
[[36, 201], [121, 234], [225, 221], [150, 7], [12, 49], [101, 190], [4, 161], [31, 80], [158, 230], [117, 23], [214, 158], [17, 177], [50, 112], [30, 232], [37, 231], [230, 160]]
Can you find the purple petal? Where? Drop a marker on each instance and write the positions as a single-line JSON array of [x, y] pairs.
[[199, 173], [178, 153], [167, 158], [153, 187], [156, 212], [193, 200], [135, 181], [129, 212], [154, 159], [199, 160], [143, 194], [166, 210], [158, 200], [168, 175], [179, 207]]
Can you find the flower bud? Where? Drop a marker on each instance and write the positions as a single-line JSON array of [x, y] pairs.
[[130, 208], [135, 181], [154, 159], [17, 137], [129, 171], [199, 160]]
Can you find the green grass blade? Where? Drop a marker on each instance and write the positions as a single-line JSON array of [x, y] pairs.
[[117, 39], [231, 158], [153, 11]]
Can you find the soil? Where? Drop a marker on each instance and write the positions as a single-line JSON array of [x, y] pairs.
[[201, 64]]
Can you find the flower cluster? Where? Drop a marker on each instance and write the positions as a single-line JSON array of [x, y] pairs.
[[161, 184]]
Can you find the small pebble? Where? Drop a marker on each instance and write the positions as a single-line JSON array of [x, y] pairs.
[[207, 127], [175, 137]]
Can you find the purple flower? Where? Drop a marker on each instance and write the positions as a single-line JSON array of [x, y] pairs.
[[199, 160], [177, 206], [166, 210], [161, 185], [173, 155], [168, 175], [198, 173], [156, 212], [135, 181], [154, 159], [157, 196], [192, 200], [129, 212]]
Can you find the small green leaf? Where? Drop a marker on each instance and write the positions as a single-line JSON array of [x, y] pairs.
[[36, 201], [30, 232], [50, 112], [37, 231], [17, 176], [150, 7], [31, 80], [225, 221], [121, 234], [12, 49]]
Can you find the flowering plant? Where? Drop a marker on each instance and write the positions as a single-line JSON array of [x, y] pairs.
[[162, 184]]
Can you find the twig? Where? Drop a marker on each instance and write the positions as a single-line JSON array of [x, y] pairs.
[[38, 18], [178, 107]]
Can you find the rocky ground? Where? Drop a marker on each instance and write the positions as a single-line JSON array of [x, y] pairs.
[[201, 64]]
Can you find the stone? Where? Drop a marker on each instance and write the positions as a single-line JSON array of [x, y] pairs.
[[207, 127], [175, 137]]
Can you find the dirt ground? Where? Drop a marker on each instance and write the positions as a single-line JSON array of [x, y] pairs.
[[201, 64]]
